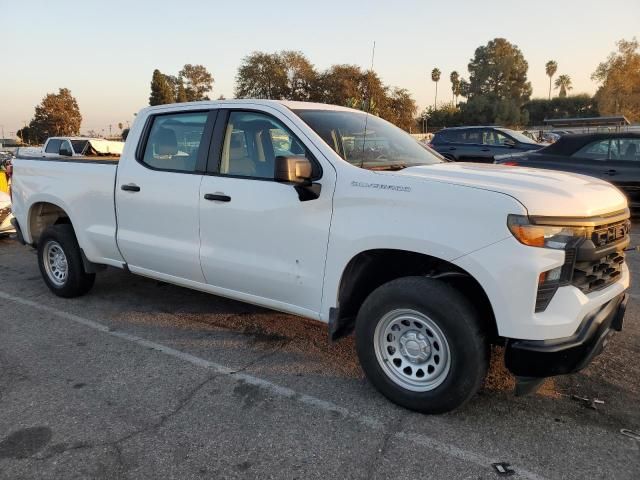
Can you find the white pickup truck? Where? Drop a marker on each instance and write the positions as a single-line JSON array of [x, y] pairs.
[[336, 215], [79, 146]]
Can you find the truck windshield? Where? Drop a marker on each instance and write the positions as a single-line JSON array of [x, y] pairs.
[[379, 146]]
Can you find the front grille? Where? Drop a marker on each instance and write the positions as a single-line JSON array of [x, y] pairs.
[[607, 234], [599, 259], [4, 213], [593, 275]]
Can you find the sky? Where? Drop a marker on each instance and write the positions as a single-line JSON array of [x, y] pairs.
[[105, 52]]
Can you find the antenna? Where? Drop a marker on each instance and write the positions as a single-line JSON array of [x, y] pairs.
[[366, 118]]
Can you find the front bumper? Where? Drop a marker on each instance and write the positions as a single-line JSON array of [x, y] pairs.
[[545, 358]]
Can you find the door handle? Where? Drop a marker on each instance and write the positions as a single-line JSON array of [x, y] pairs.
[[611, 172], [217, 197], [485, 149], [130, 187], [452, 148]]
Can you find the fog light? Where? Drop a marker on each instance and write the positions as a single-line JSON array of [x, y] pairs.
[[548, 283]]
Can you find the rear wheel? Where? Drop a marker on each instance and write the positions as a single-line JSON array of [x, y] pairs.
[[60, 262], [421, 344]]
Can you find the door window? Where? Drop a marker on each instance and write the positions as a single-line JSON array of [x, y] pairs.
[[65, 146], [625, 149], [252, 142], [53, 146], [496, 138], [472, 136], [594, 151], [174, 142]]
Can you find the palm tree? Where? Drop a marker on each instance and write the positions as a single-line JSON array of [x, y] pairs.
[[563, 82], [435, 76], [551, 67], [455, 86]]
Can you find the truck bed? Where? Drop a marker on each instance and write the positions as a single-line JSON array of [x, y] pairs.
[[84, 186]]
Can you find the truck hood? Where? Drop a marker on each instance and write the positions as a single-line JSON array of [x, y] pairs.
[[542, 192]]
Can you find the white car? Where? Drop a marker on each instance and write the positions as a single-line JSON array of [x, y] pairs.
[[5, 215], [357, 225]]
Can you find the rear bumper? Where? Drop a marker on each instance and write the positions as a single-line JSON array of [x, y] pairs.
[[545, 358]]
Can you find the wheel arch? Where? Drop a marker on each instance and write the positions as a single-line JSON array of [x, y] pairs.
[[42, 214], [372, 268]]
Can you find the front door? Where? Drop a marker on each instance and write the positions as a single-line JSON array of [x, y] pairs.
[[157, 197], [259, 239]]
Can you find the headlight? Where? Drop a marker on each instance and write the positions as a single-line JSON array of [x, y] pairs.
[[546, 236]]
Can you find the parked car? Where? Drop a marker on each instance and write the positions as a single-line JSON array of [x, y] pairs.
[[5, 215], [614, 157], [79, 146], [480, 144], [358, 225]]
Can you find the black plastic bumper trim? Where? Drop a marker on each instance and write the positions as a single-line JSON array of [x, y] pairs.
[[546, 358], [19, 236]]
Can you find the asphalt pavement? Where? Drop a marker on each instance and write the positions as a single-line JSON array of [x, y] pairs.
[[140, 379]]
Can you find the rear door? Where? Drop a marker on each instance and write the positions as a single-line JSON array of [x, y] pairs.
[[157, 196], [592, 160], [624, 167], [473, 147], [260, 238]]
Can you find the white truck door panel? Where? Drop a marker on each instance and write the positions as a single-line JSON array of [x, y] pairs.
[[257, 236], [157, 199]]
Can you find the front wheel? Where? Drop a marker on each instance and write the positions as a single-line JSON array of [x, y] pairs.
[[421, 344], [60, 262]]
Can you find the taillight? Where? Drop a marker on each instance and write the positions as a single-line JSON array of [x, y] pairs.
[[511, 163]]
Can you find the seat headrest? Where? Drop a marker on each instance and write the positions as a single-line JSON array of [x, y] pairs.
[[166, 143]]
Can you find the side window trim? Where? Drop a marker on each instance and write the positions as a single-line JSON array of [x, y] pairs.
[[201, 160], [218, 138]]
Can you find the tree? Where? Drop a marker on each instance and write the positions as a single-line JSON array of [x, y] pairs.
[[619, 79], [181, 93], [197, 82], [161, 89], [498, 85], [571, 106], [563, 82], [302, 78], [57, 115], [262, 75], [401, 108], [445, 116], [551, 68], [120, 126], [454, 77], [435, 76]]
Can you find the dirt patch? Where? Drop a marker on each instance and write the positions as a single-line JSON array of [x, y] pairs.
[[500, 379]]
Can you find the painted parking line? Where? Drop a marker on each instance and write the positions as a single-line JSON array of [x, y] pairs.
[[371, 422]]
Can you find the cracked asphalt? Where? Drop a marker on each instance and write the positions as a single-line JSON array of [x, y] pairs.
[[140, 379]]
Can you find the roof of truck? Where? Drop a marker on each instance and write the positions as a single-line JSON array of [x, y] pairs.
[[253, 101]]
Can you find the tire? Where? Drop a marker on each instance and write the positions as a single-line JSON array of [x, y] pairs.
[[60, 262], [436, 356]]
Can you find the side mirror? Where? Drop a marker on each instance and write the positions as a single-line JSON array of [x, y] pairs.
[[296, 170], [509, 143], [65, 151]]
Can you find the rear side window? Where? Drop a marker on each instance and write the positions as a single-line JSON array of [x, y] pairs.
[[174, 142], [53, 146]]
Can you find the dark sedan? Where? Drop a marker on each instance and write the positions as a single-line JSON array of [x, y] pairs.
[[614, 157], [480, 144]]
